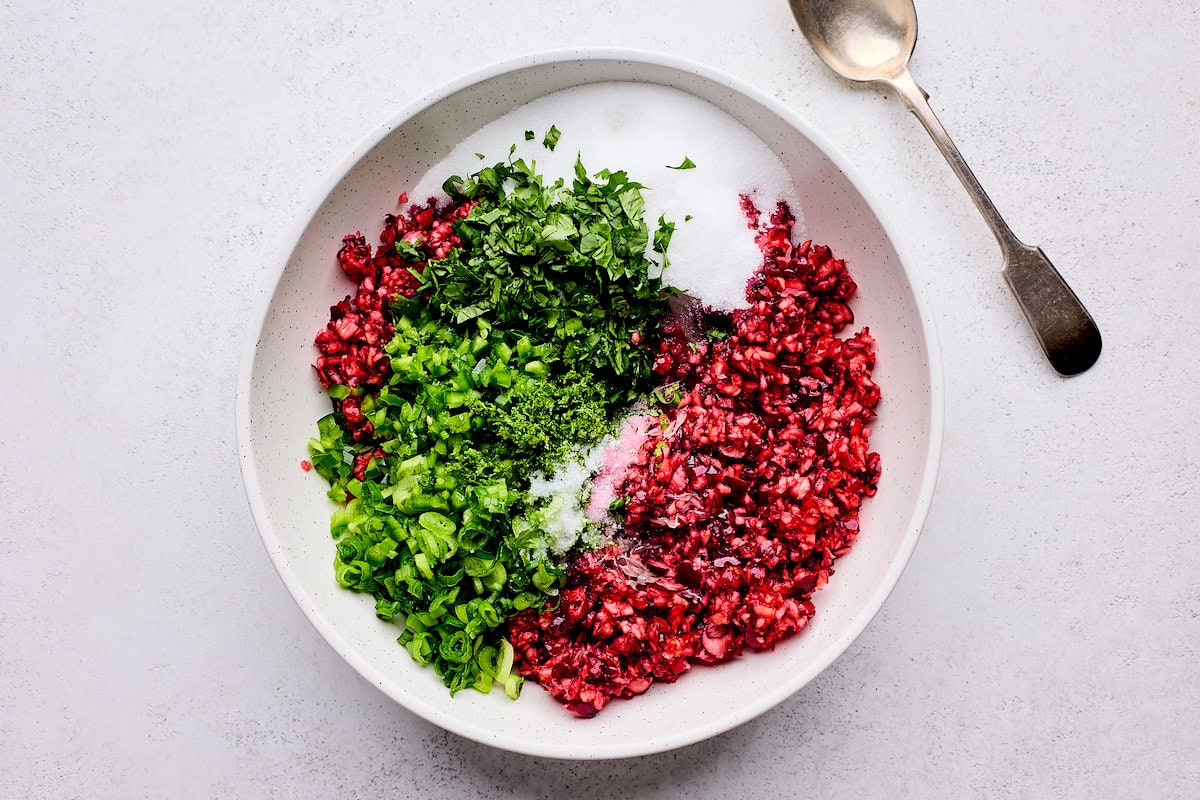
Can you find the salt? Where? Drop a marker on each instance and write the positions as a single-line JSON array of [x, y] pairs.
[[645, 129], [584, 486], [562, 516]]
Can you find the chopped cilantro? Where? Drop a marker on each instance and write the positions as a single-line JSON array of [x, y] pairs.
[[551, 140], [687, 164], [408, 251], [529, 136], [564, 263], [662, 238]]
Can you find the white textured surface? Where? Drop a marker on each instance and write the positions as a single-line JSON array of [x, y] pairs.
[[1045, 640]]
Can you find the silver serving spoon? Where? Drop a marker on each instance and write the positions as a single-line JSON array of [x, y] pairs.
[[872, 41]]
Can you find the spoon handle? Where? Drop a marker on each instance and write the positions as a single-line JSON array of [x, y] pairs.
[[1063, 327]]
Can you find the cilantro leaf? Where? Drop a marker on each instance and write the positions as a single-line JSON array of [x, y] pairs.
[[408, 251], [558, 230], [687, 164], [662, 238], [632, 202], [552, 135]]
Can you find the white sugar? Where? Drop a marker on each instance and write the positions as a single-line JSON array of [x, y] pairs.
[[643, 129]]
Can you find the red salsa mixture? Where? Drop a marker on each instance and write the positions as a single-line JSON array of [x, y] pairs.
[[730, 516]]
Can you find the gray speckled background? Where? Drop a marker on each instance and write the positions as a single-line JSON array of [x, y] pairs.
[[1045, 640]]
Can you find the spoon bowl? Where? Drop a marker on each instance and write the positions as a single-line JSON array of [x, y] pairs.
[[862, 40]]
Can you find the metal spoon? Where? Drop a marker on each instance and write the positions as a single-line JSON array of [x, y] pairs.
[[872, 41]]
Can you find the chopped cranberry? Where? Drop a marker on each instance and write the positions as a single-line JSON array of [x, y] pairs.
[[363, 460], [355, 256], [351, 346]]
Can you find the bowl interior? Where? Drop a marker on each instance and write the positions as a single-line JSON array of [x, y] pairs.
[[281, 402]]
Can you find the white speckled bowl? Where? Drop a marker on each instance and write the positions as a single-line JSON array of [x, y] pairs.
[[279, 403]]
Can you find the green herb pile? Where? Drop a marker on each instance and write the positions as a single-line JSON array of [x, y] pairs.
[[517, 353]]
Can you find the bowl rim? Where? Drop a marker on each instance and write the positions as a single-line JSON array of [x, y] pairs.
[[338, 642]]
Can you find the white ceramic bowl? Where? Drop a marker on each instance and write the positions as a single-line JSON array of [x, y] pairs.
[[279, 403]]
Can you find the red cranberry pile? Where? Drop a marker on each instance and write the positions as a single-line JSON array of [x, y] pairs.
[[738, 506], [351, 345]]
